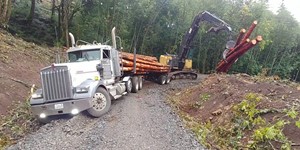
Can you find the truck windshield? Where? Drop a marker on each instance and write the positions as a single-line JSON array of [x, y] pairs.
[[84, 55]]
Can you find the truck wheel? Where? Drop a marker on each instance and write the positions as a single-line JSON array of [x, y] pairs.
[[100, 103], [135, 84], [162, 79], [140, 82], [128, 85]]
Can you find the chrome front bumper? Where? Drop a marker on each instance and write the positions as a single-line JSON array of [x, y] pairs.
[[62, 107]]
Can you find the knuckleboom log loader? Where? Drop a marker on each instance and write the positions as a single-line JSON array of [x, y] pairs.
[[92, 77], [180, 65]]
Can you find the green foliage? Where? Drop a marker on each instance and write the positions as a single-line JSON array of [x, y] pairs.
[[266, 134], [297, 123], [203, 98], [247, 111], [157, 27], [292, 113]]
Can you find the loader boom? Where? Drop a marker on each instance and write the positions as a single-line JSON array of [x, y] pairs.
[[189, 36]]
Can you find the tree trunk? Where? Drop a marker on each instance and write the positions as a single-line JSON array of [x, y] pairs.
[[64, 11], [53, 9], [1, 3], [204, 58], [66, 7], [31, 13], [59, 12], [5, 11]]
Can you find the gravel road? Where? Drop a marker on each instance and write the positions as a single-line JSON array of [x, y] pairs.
[[136, 121]]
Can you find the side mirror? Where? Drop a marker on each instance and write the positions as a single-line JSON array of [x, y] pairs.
[[99, 68]]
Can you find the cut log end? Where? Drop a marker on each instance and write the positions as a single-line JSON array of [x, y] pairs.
[[259, 38], [243, 31], [255, 22], [253, 42]]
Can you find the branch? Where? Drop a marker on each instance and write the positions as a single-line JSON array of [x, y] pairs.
[[294, 144], [18, 81], [272, 145]]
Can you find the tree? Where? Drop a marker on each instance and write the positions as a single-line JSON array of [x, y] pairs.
[[31, 13], [5, 12]]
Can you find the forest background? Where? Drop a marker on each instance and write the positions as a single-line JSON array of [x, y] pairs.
[[156, 27]]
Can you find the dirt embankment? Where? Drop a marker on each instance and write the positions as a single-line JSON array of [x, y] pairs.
[[240, 111], [20, 63]]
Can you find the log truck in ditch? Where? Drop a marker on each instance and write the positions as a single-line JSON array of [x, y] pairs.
[[93, 76]]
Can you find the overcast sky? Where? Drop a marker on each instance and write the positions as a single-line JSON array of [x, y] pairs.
[[292, 5]]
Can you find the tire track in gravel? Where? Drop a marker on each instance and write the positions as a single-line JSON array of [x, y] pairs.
[[135, 121]]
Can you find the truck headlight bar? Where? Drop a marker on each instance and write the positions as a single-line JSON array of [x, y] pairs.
[[37, 94], [82, 89]]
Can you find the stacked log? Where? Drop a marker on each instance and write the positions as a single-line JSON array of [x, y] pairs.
[[243, 44], [143, 65]]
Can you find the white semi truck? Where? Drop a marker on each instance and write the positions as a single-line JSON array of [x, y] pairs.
[[90, 79]]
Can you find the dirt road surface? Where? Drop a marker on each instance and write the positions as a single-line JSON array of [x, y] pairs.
[[136, 121]]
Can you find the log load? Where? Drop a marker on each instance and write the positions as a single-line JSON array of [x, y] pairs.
[[144, 64], [243, 44]]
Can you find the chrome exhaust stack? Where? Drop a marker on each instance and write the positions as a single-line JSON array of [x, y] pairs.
[[72, 39], [113, 38]]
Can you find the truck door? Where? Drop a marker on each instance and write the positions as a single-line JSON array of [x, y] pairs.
[[106, 63]]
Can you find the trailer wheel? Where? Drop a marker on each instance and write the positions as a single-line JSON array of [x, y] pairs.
[[181, 76], [140, 82], [128, 85], [135, 84], [100, 103], [162, 79], [173, 77], [194, 77]]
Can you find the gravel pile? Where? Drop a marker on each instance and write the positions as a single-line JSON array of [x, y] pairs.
[[136, 121]]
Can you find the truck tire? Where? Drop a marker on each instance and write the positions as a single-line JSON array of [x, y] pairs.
[[162, 79], [100, 103], [140, 82], [135, 84], [128, 85]]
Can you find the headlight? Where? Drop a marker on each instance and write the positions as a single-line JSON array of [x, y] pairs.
[[37, 94], [82, 89]]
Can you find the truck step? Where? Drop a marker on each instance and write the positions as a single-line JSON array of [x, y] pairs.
[[117, 96]]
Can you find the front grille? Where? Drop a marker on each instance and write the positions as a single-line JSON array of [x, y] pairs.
[[56, 83]]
